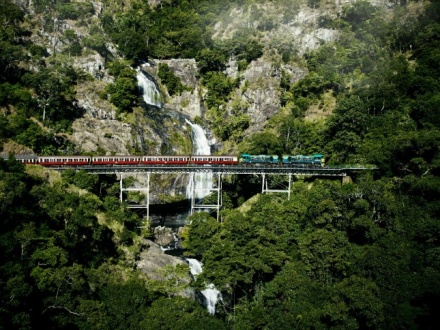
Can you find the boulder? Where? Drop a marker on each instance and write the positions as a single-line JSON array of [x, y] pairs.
[[163, 236]]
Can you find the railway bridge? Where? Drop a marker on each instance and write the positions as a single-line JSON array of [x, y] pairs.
[[218, 171]]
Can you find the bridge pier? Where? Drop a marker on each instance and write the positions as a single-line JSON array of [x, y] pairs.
[[218, 170], [194, 205], [146, 190], [218, 189], [265, 187]]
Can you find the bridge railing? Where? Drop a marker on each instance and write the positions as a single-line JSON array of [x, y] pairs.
[[354, 166]]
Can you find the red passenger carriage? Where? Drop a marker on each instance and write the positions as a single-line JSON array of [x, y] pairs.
[[165, 160], [215, 160], [116, 160], [64, 160]]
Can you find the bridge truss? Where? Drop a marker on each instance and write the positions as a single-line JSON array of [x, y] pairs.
[[218, 171]]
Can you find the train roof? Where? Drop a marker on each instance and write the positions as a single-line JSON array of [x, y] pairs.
[[30, 156], [65, 156]]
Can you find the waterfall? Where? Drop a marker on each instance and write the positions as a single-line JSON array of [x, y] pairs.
[[202, 181], [148, 89], [211, 294]]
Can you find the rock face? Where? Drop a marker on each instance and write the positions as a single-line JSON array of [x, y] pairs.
[[153, 260], [94, 64], [294, 28], [262, 93], [188, 102], [163, 236], [155, 264], [113, 136], [161, 129]]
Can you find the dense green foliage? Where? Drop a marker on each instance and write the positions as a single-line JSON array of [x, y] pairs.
[[352, 256], [46, 94], [123, 92], [61, 267], [355, 256], [169, 79]]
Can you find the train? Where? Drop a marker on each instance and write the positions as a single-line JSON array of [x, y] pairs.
[[297, 160], [316, 160]]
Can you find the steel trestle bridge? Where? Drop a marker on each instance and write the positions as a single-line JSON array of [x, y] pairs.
[[340, 170], [218, 171]]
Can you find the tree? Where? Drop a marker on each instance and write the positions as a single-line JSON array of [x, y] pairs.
[[173, 83], [211, 60], [123, 93], [202, 227], [124, 303], [179, 313], [248, 249], [265, 143]]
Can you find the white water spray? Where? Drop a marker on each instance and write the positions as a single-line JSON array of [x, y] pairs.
[[211, 294], [202, 181], [148, 89]]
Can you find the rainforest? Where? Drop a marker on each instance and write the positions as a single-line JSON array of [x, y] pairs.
[[357, 82]]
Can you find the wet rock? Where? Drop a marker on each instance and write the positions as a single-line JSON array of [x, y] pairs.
[[163, 236], [152, 263]]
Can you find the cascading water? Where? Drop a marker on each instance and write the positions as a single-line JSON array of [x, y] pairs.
[[148, 89], [211, 294], [202, 181]]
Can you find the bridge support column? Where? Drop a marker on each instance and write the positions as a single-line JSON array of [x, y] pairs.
[[146, 190], [218, 189], [265, 187]]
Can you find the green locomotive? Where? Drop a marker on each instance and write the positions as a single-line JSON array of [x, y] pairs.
[[297, 160]]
